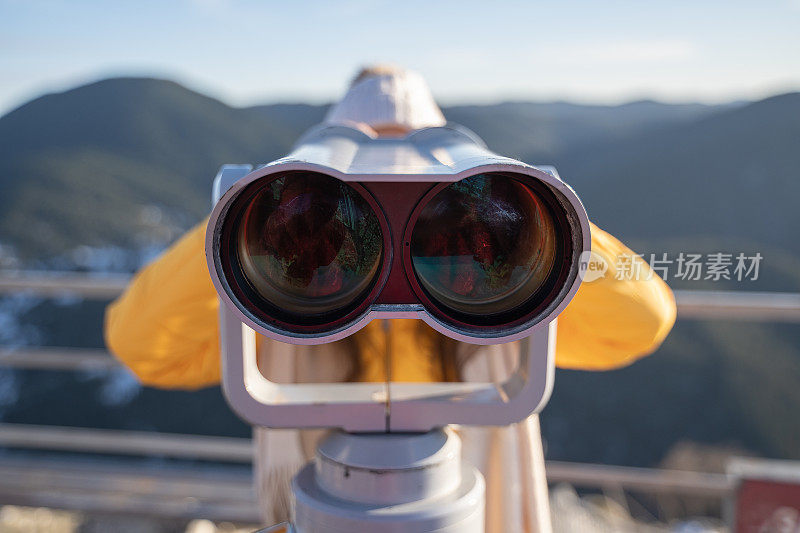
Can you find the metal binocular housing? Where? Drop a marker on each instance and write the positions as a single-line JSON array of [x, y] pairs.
[[350, 227]]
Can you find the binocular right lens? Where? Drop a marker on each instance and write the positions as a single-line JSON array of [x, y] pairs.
[[482, 248], [308, 245]]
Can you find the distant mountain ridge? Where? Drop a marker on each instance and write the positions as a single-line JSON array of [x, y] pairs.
[[541, 132], [733, 174], [82, 166], [128, 163]]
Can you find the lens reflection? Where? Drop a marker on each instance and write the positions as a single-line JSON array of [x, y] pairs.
[[484, 245], [309, 243]]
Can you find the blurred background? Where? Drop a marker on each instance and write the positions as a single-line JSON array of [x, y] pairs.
[[678, 124]]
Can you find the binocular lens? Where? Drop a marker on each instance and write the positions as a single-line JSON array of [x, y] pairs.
[[484, 245], [309, 244]]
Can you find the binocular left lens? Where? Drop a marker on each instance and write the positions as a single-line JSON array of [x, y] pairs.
[[307, 245]]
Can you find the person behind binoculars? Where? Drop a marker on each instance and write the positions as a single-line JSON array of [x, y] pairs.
[[165, 329]]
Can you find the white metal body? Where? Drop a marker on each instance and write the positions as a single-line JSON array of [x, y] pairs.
[[382, 406], [443, 154], [381, 483]]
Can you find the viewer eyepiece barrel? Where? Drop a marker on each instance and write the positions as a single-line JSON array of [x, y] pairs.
[[307, 250]]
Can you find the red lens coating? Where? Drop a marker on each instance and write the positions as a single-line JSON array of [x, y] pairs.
[[484, 245], [309, 244]]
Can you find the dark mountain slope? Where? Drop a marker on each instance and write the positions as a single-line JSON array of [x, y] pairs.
[[117, 161], [80, 167], [734, 174], [290, 119], [541, 132], [129, 162]]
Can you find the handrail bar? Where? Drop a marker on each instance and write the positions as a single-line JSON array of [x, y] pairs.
[[239, 450], [124, 442], [727, 305]]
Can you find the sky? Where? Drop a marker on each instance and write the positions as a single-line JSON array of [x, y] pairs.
[[251, 52]]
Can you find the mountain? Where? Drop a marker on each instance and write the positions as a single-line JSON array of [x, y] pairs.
[[88, 165], [731, 175], [127, 163], [291, 119], [541, 132], [724, 383]]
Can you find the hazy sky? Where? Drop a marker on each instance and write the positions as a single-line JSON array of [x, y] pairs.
[[249, 52]]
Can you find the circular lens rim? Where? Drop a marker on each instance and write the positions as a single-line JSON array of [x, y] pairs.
[[253, 304], [552, 288]]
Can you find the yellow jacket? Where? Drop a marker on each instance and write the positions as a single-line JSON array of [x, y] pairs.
[[165, 326]]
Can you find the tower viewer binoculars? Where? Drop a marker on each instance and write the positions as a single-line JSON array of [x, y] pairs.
[[351, 227], [348, 228]]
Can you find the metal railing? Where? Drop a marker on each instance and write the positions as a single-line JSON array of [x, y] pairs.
[[173, 492], [736, 305], [162, 491], [728, 305], [57, 284], [122, 442]]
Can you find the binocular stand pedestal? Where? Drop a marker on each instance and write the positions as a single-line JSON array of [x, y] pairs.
[[389, 482]]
